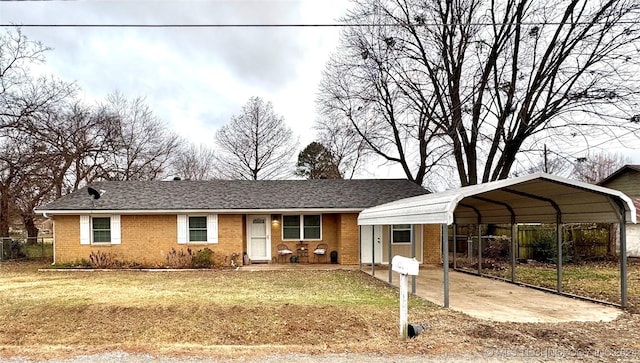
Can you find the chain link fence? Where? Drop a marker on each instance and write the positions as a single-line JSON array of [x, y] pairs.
[[26, 248]]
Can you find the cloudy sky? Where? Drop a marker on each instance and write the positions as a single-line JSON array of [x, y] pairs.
[[193, 78], [196, 78]]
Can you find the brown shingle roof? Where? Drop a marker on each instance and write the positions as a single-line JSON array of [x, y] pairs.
[[618, 172], [238, 195]]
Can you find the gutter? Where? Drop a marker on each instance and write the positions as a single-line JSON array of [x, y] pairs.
[[51, 212]]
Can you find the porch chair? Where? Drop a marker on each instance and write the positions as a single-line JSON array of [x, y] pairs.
[[321, 250], [283, 252]]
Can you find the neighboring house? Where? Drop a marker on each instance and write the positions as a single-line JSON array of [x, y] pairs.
[[627, 180], [142, 221]]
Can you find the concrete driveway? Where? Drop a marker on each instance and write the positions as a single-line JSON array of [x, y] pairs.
[[491, 299]]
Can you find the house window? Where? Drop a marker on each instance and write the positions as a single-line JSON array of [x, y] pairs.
[[197, 229], [290, 227], [311, 225], [401, 233], [302, 227], [101, 229]]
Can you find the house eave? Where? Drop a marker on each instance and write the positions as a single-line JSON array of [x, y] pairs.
[[196, 211]]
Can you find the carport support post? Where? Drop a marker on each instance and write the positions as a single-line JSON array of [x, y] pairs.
[[560, 257], [623, 260], [445, 263], [373, 251], [479, 250], [514, 244], [389, 248], [455, 242]]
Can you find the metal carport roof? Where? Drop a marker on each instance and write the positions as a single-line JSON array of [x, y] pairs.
[[535, 198]]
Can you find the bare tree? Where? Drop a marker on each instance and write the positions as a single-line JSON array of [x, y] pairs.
[[24, 102], [194, 162], [140, 145], [479, 83], [50, 144], [49, 154], [17, 55], [347, 148], [256, 144], [598, 166]]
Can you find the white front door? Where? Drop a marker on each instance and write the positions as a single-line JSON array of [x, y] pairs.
[[258, 238], [371, 243]]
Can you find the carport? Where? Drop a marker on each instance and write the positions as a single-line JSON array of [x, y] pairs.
[[535, 198]]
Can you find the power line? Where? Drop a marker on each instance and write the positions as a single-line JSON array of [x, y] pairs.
[[298, 25], [614, 138]]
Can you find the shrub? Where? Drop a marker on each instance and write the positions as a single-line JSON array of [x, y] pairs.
[[102, 259], [545, 248], [180, 258], [497, 247], [190, 259], [202, 258]]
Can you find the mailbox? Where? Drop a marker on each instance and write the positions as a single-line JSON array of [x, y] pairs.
[[405, 265]]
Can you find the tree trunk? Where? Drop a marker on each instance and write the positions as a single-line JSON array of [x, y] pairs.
[[4, 213], [32, 230]]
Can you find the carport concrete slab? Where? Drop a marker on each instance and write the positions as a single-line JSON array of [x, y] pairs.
[[495, 300]]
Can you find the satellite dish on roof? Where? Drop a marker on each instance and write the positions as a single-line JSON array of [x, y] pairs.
[[95, 194]]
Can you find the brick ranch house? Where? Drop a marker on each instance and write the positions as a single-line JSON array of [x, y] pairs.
[[142, 221]]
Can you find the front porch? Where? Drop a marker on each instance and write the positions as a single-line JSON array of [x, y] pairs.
[[307, 237]]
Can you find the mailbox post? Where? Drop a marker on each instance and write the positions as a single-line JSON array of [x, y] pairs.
[[404, 266]]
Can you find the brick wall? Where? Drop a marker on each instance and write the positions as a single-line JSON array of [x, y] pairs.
[[432, 241], [146, 239], [349, 237]]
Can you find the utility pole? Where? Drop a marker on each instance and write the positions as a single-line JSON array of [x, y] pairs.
[[546, 167]]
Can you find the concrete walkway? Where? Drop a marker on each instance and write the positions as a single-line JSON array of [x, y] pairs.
[[495, 300], [297, 266]]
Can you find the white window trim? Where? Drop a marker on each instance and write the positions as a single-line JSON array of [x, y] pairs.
[[183, 229], [300, 226], [393, 242], [86, 230]]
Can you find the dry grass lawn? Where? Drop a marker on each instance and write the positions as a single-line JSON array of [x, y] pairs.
[[240, 313]]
